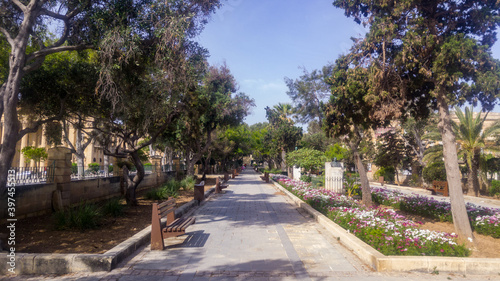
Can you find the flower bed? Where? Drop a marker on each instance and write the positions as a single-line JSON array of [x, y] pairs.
[[484, 220], [384, 230]]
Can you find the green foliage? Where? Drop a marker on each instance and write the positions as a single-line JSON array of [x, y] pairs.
[[281, 135], [34, 153], [113, 207], [94, 167], [317, 141], [337, 151], [308, 94], [434, 172], [309, 159], [494, 189], [386, 172], [306, 178], [53, 133], [351, 188], [318, 181], [74, 168], [85, 216], [188, 183], [169, 189], [273, 171]]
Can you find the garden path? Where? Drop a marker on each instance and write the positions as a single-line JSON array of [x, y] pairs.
[[251, 232]]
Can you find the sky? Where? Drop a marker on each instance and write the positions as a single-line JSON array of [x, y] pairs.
[[264, 41]]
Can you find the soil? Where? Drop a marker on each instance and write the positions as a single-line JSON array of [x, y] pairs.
[[36, 235], [485, 246]]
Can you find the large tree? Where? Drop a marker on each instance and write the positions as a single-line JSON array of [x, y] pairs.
[[309, 92], [434, 53], [214, 105], [349, 116], [282, 135], [121, 29]]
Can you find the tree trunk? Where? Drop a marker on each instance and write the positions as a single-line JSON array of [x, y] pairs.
[[106, 165], [365, 185], [458, 210], [131, 185], [473, 178]]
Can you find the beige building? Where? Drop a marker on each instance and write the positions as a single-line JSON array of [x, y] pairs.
[[93, 152]]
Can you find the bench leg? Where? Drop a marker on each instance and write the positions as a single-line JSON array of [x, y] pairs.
[[156, 235]]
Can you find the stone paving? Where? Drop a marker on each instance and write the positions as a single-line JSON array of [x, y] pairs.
[[251, 232]]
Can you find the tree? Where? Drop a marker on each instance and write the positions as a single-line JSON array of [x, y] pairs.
[[281, 137], [214, 104], [393, 151], [309, 159], [473, 138], [316, 141], [431, 53], [34, 153], [308, 94], [120, 29], [67, 78], [349, 116]]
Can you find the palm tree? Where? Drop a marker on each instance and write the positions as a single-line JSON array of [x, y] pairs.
[[284, 110], [473, 139]]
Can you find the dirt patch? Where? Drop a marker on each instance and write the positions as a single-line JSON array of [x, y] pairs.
[[38, 234]]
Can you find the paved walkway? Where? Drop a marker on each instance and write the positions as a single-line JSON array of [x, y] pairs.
[[251, 232]]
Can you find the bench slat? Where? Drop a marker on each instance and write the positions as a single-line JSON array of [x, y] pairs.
[[179, 225]]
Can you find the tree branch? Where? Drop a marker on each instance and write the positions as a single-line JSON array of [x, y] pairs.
[[52, 50], [20, 5], [65, 136], [7, 36], [53, 14]]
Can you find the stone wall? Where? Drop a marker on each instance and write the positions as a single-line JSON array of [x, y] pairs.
[[37, 199]]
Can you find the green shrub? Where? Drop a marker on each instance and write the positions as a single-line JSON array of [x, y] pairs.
[[434, 172], [494, 189], [318, 181], [85, 216], [305, 178], [156, 194], [74, 168], [273, 171], [386, 172], [94, 167], [113, 207], [188, 183]]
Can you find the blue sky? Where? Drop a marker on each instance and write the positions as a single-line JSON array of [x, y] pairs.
[[264, 41]]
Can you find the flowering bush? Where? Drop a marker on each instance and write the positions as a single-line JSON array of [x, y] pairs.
[[484, 220], [384, 230]]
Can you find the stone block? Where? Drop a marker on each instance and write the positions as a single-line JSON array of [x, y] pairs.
[[53, 263], [92, 263], [58, 153], [482, 266], [57, 203]]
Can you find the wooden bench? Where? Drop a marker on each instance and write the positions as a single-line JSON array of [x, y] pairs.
[[174, 227], [199, 192], [439, 186], [220, 184]]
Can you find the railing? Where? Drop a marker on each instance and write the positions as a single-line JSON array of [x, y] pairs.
[[32, 175], [91, 172]]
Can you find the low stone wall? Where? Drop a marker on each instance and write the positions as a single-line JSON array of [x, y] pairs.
[[37, 199]]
